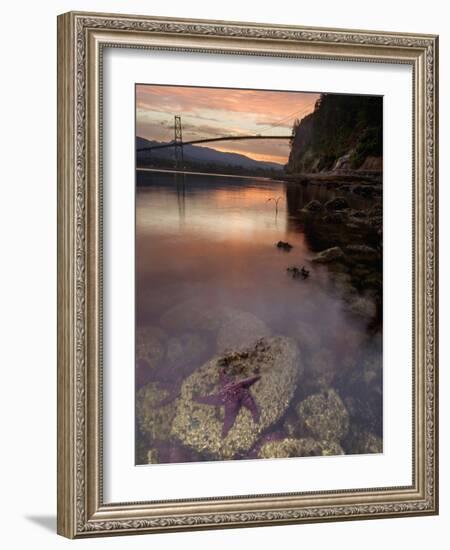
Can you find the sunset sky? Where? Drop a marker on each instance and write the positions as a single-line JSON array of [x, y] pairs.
[[214, 112]]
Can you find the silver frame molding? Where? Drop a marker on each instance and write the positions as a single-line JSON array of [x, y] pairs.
[[81, 39]]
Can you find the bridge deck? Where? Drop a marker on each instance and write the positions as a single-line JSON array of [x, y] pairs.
[[209, 140]]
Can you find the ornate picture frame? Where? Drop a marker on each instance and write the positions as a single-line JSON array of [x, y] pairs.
[[82, 40]]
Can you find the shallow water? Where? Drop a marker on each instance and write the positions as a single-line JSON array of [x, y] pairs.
[[210, 240]]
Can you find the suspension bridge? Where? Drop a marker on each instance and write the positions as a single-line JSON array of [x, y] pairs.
[[178, 142]]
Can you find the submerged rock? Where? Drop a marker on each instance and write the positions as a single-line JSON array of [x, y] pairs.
[[364, 442], [150, 351], [200, 426], [240, 330], [361, 306], [324, 416], [307, 336], [164, 452], [194, 314], [362, 390], [154, 413], [307, 446], [332, 254], [186, 350]]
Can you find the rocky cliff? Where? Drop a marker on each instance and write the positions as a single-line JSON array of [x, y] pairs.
[[344, 132]]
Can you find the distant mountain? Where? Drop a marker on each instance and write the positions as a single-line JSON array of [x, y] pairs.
[[196, 155]]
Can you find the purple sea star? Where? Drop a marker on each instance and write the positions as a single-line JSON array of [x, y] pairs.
[[232, 395]]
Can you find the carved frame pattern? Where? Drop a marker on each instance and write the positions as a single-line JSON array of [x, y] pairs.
[[80, 508]]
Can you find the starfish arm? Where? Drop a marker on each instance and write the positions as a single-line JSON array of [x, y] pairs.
[[247, 382], [208, 399], [249, 403], [231, 411]]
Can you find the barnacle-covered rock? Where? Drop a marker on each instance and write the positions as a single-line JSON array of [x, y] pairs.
[[324, 416], [200, 426], [307, 446], [155, 410]]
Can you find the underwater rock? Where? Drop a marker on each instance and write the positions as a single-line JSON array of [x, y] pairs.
[[307, 446], [164, 452], [195, 315], [154, 414], [277, 363], [338, 203], [186, 350], [362, 391], [342, 283], [307, 336], [240, 330], [332, 254], [324, 416], [361, 306], [150, 350], [364, 442]]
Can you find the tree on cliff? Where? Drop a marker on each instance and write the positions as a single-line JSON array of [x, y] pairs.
[[340, 124]]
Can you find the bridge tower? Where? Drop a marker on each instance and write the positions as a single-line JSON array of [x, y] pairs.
[[178, 141]]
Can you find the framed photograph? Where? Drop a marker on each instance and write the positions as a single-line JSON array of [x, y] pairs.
[[247, 277]]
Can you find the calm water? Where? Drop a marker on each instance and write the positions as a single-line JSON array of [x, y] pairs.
[[212, 239]]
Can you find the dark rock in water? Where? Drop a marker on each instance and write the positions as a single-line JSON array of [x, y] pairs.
[[334, 217], [313, 206], [298, 272], [359, 214], [362, 253], [332, 254], [338, 203], [364, 190], [284, 246]]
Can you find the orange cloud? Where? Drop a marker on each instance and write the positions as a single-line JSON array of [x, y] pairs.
[[213, 112]]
